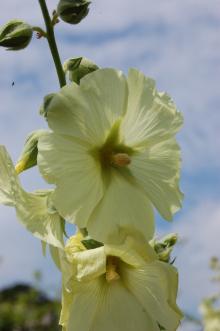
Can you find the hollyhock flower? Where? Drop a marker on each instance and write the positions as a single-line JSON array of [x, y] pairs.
[[210, 314], [112, 153], [35, 210], [118, 287]]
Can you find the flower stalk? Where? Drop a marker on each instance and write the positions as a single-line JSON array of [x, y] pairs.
[[52, 43]]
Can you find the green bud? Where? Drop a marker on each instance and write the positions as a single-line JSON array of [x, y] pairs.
[[170, 239], [73, 11], [28, 158], [164, 246], [45, 104], [15, 35], [79, 67]]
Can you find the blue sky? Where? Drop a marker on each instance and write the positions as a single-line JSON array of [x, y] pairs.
[[175, 42]]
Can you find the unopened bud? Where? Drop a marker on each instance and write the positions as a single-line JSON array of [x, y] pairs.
[[79, 67], [73, 11], [164, 246], [170, 239], [28, 158], [15, 35], [120, 159], [45, 105]]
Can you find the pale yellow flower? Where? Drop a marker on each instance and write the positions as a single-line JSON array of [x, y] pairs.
[[210, 315], [112, 153], [118, 287]]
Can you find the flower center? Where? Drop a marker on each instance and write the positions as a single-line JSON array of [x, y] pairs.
[[113, 153], [120, 159], [112, 269]]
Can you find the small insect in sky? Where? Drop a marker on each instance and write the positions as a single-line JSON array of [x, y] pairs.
[[13, 83]]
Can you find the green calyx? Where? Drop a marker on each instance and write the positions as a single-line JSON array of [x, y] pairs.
[[15, 35], [79, 67], [28, 158], [73, 11]]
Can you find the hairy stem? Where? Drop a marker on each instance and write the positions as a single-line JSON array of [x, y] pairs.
[[52, 43]]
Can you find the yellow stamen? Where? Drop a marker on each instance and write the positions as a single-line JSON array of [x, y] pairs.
[[111, 269], [120, 159]]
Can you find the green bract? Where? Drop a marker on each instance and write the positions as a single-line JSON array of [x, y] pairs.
[[73, 11], [118, 287], [45, 104], [35, 210], [28, 158], [15, 35], [112, 153], [79, 67]]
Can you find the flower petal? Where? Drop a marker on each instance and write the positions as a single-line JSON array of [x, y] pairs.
[[151, 116], [148, 285], [171, 285], [89, 264], [100, 306], [9, 182], [157, 171], [31, 208], [32, 211], [88, 111], [115, 213], [133, 252], [67, 163]]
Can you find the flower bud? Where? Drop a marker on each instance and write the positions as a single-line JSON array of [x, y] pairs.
[[28, 158], [15, 35], [73, 11], [46, 102], [164, 247], [78, 68]]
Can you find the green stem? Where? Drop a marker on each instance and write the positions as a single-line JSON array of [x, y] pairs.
[[41, 32], [52, 43]]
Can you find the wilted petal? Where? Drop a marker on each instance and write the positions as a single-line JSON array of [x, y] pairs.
[[32, 209], [9, 182]]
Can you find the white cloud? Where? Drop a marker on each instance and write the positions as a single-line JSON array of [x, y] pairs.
[[187, 326], [199, 231], [115, 15]]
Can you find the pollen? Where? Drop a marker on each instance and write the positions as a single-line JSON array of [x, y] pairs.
[[120, 159], [112, 269]]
